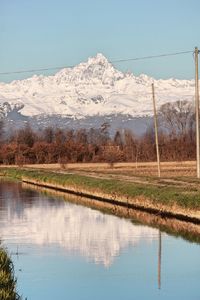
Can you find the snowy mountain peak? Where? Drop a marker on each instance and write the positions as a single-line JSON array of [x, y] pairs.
[[98, 59], [91, 88], [96, 68]]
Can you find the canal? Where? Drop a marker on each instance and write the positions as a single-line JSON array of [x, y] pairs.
[[62, 250]]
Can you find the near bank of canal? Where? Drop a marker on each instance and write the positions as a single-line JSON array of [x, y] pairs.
[[63, 250]]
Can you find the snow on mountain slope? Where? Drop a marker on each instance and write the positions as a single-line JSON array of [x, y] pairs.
[[91, 88]]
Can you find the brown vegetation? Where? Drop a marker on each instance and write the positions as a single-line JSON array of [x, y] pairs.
[[176, 141]]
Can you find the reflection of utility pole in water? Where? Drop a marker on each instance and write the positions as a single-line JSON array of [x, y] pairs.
[[159, 259]]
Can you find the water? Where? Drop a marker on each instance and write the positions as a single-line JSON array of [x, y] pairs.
[[63, 251]]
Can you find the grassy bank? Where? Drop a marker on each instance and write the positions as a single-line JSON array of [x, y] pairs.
[[175, 199], [7, 279]]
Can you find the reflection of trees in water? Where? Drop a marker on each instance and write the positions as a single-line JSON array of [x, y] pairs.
[[15, 190], [14, 198], [11, 197]]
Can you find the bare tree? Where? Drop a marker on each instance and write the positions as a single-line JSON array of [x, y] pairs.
[[48, 135], [131, 145], [1, 129], [118, 139], [177, 117], [26, 136], [104, 132]]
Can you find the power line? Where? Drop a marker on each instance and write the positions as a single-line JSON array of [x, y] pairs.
[[150, 57], [112, 61], [34, 70]]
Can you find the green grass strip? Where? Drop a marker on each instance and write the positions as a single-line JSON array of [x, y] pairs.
[[167, 195]]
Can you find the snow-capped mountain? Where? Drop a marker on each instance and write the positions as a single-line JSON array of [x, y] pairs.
[[92, 88]]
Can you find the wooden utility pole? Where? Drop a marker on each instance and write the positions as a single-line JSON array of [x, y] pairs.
[[196, 54], [156, 128]]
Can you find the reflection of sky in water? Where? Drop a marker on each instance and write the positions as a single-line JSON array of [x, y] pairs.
[[74, 228], [64, 248]]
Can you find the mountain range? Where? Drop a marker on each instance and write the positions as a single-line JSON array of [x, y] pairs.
[[86, 95]]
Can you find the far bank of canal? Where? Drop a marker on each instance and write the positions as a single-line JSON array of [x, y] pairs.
[[170, 201]]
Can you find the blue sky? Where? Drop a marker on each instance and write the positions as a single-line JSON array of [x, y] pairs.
[[46, 33]]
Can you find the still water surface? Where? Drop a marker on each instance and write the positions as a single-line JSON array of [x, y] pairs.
[[66, 251]]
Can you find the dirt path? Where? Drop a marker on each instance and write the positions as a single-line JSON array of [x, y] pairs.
[[137, 179]]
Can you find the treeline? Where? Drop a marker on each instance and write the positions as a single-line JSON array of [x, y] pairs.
[[176, 141]]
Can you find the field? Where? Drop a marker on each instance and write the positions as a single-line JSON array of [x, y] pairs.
[[168, 169], [180, 174]]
